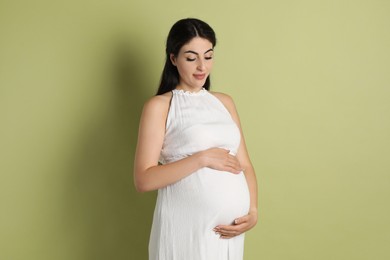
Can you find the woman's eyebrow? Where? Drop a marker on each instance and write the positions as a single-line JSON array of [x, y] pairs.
[[198, 53]]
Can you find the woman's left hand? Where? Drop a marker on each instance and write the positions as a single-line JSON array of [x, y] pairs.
[[240, 225]]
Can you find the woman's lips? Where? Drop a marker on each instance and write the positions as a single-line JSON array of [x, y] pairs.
[[199, 76]]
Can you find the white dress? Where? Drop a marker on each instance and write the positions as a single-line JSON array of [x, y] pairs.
[[187, 211]]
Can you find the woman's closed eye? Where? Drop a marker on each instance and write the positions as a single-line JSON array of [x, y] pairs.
[[193, 59]]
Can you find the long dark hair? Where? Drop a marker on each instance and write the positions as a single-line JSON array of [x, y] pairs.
[[181, 33]]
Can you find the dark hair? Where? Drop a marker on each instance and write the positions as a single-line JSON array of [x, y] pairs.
[[181, 33]]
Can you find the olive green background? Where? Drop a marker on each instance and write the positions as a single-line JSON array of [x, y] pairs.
[[310, 80]]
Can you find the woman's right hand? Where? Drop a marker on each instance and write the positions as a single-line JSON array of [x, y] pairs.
[[220, 159]]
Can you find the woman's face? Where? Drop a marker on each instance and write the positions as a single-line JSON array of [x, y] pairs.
[[194, 62]]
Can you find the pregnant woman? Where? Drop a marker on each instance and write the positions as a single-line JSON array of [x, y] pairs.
[[207, 190]]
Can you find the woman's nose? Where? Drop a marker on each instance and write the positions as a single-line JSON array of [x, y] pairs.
[[201, 65]]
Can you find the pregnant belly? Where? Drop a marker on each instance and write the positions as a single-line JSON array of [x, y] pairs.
[[212, 196]]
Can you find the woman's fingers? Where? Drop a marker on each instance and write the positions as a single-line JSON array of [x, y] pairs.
[[241, 225], [230, 231], [234, 163], [221, 159]]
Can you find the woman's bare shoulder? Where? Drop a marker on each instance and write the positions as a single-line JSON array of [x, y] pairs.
[[158, 102]]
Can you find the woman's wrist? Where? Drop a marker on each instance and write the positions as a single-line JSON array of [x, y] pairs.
[[253, 210], [201, 159]]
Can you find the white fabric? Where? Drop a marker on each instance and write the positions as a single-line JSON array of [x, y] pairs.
[[187, 211]]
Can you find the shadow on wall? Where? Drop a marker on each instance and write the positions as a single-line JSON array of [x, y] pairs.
[[107, 217]]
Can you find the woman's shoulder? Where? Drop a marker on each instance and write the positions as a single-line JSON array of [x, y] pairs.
[[159, 101], [226, 99], [157, 105], [228, 102]]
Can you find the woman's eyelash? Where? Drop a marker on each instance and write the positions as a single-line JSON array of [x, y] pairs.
[[206, 58]]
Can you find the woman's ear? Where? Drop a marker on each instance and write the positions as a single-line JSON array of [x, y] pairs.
[[173, 59]]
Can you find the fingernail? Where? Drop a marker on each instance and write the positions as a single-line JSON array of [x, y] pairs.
[[235, 221]]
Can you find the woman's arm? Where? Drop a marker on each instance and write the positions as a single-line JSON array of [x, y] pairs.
[[244, 223], [148, 174]]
